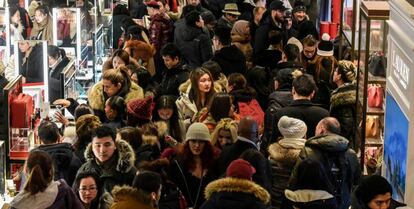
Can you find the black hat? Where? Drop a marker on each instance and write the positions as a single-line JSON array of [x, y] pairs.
[[288, 14], [299, 6], [277, 5], [325, 47]]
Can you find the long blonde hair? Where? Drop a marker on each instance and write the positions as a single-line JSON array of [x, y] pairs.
[[225, 124]]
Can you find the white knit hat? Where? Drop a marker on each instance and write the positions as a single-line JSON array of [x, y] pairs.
[[292, 127], [198, 131]]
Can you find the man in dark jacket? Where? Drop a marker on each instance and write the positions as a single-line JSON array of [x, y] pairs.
[[228, 56], [66, 162], [274, 21], [290, 59], [237, 190], [301, 107], [194, 43], [247, 139], [176, 72], [341, 163], [113, 161], [230, 15]]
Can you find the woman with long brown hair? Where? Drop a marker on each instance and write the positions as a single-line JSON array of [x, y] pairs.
[[41, 191], [195, 95], [193, 168]]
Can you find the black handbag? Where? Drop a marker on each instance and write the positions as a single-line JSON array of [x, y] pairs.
[[377, 64]]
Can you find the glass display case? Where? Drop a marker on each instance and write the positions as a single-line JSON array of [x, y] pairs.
[[68, 82], [349, 29], [372, 52], [98, 51]]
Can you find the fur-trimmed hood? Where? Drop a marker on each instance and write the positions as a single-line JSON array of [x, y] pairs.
[[307, 195], [344, 95], [286, 151], [237, 185], [126, 155], [97, 100], [129, 197]]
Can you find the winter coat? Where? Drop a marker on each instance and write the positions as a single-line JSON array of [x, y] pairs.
[[96, 97], [185, 106], [160, 30], [247, 105], [235, 193], [261, 39], [119, 170], [232, 152], [259, 79], [231, 60], [283, 155], [268, 58], [224, 22], [194, 44], [31, 66], [117, 31], [142, 50], [310, 199], [58, 195], [343, 103], [171, 81], [54, 80], [66, 162], [284, 65], [304, 110], [43, 30], [126, 197], [191, 186], [243, 44], [319, 146]]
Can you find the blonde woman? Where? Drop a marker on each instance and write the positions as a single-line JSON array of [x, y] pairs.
[[225, 133]]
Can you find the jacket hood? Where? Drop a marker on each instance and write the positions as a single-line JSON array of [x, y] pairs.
[[61, 154], [43, 199], [345, 95], [329, 143], [97, 100], [286, 151], [307, 195], [237, 185], [190, 33], [126, 155]]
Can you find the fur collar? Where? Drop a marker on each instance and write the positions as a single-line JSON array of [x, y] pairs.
[[96, 97], [307, 195], [345, 95], [237, 185], [286, 153], [126, 155]]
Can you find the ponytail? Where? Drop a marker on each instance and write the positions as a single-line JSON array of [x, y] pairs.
[[40, 167]]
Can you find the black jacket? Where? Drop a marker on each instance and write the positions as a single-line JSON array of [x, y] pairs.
[[194, 44], [66, 162], [32, 68], [3, 130], [268, 58], [316, 147], [304, 110], [232, 152], [261, 39], [55, 91], [287, 65], [171, 80], [231, 60], [235, 193], [343, 104]]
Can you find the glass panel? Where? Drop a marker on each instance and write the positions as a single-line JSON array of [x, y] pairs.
[[348, 14], [377, 35]]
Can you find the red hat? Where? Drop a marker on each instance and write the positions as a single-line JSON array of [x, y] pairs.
[[240, 169], [140, 108], [153, 4]]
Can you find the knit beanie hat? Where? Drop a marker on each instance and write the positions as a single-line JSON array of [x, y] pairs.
[[198, 131], [349, 68], [292, 127], [240, 169], [140, 108], [371, 186], [325, 47], [296, 42], [299, 6]]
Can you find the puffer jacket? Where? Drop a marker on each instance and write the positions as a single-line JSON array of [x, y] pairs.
[[235, 193], [343, 103], [195, 45], [316, 147], [283, 155], [119, 170], [171, 81]]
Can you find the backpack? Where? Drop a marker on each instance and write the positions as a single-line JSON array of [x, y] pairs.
[[336, 167]]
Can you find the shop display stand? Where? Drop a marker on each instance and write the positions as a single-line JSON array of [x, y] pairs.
[[373, 31], [349, 27]]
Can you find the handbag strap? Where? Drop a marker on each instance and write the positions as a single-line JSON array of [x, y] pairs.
[[186, 185]]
